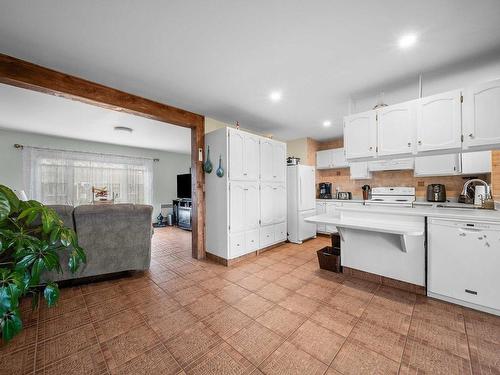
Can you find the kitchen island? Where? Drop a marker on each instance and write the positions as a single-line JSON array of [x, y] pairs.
[[452, 252]]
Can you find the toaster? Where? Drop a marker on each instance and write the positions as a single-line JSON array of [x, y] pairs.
[[344, 195]]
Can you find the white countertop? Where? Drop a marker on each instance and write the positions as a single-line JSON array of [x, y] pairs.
[[404, 228], [429, 211]]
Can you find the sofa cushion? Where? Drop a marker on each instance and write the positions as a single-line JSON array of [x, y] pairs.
[[115, 237]]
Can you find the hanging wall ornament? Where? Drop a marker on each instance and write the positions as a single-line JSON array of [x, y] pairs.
[[207, 166], [220, 171]]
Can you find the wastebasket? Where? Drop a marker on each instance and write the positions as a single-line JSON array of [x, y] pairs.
[[329, 256]]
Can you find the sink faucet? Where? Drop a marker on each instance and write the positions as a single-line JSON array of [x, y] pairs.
[[487, 190]]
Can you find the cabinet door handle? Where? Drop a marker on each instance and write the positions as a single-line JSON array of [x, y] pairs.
[[419, 142], [371, 148], [409, 144], [471, 135]]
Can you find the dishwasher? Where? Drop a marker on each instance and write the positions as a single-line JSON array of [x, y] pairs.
[[463, 263]]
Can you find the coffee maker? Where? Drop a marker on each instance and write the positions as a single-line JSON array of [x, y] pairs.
[[325, 190]]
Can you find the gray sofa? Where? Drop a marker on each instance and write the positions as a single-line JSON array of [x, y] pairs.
[[115, 238]]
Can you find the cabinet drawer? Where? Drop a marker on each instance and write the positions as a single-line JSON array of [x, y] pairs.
[[252, 240], [237, 245], [280, 233], [266, 235]]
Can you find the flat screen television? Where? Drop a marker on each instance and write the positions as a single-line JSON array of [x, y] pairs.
[[184, 185]]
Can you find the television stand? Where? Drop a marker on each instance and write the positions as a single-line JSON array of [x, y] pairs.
[[182, 213]]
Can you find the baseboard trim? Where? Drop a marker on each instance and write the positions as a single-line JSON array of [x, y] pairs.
[[382, 280], [231, 262]]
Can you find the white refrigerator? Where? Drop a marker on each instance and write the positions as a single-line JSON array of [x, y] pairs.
[[301, 202]]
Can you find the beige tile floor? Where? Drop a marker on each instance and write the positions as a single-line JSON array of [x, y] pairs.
[[272, 314]]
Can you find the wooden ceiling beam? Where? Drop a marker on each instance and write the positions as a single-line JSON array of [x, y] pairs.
[[27, 75]]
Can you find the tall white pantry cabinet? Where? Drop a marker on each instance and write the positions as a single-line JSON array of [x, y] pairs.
[[246, 208]]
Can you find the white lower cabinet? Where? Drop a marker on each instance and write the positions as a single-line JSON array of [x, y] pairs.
[[252, 240], [272, 203], [280, 232], [320, 210], [331, 210], [237, 244], [272, 234], [267, 235]]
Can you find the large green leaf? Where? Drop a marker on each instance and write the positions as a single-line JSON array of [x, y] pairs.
[[11, 196], [47, 221], [51, 293], [9, 296], [4, 207], [36, 270], [11, 325]]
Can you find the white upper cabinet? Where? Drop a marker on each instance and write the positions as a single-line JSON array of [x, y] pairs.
[[476, 162], [360, 135], [391, 164], [338, 158], [333, 158], [243, 156], [323, 159], [236, 155], [437, 165], [272, 160], [251, 157], [279, 161], [439, 122], [396, 129], [359, 170], [481, 123]]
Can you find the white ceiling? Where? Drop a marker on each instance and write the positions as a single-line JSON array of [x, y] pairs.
[[221, 58], [30, 111]]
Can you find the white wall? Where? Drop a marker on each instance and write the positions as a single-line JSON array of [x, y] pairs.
[[164, 172], [453, 77], [298, 149]]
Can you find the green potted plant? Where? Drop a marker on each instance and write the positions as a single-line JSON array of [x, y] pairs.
[[31, 238]]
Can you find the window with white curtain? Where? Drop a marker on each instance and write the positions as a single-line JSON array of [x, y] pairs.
[[67, 177]]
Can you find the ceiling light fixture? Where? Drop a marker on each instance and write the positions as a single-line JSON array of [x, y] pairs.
[[275, 96], [407, 40], [327, 123], [124, 129]]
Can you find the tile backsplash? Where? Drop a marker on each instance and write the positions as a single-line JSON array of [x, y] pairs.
[[341, 177]]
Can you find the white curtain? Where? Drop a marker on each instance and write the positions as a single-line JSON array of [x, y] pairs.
[[67, 177]]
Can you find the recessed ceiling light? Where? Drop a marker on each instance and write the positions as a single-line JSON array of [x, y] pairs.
[[124, 129], [275, 96], [407, 40], [327, 123]]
